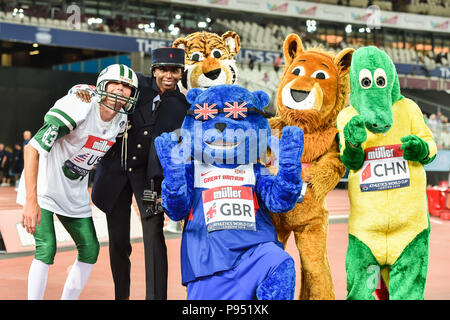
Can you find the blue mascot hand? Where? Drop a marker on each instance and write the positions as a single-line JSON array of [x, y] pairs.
[[170, 156], [175, 195], [291, 147], [280, 193]]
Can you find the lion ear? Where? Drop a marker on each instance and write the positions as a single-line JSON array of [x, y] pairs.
[[344, 59], [180, 43], [292, 47], [192, 95], [232, 41]]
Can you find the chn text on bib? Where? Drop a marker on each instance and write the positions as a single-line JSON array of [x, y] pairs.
[[384, 168]]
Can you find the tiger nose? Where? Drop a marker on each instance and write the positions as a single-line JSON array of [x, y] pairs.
[[220, 126], [213, 74]]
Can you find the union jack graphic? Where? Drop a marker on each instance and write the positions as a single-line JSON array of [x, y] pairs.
[[235, 110], [205, 111], [211, 212], [81, 157]]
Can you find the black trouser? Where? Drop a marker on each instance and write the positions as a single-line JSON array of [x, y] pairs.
[[120, 248]]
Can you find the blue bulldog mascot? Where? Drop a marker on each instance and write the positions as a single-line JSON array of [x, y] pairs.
[[213, 179]]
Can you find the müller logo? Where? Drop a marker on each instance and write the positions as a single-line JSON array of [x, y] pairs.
[[100, 145], [379, 153], [227, 192]]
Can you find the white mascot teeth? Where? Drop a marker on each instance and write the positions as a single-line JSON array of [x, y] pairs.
[[288, 101], [222, 145]]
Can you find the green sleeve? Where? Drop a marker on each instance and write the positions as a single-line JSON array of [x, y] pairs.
[[53, 129]]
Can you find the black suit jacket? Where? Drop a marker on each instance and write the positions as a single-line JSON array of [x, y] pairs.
[[141, 158]]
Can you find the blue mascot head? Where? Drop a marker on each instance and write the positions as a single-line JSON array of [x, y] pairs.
[[227, 125]]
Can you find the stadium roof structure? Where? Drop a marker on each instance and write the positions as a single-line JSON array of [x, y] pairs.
[[430, 101]]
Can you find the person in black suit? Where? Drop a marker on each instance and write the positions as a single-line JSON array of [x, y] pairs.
[[132, 166]]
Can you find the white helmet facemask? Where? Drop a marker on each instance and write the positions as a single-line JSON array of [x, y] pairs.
[[121, 74]]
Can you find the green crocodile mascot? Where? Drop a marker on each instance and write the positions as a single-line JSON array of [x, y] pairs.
[[384, 142]]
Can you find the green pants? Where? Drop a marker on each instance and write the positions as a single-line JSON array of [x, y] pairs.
[[407, 276], [81, 230]]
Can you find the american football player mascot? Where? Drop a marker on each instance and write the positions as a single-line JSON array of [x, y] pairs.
[[385, 143], [209, 59], [229, 246], [313, 89]]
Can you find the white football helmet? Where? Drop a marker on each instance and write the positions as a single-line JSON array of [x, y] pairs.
[[122, 74]]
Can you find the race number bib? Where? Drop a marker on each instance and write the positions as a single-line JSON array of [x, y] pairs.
[[384, 168], [229, 207], [84, 160]]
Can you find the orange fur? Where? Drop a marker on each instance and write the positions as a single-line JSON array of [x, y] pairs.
[[309, 219], [207, 52]]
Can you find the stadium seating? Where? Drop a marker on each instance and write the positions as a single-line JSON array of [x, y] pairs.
[[431, 7], [253, 35]]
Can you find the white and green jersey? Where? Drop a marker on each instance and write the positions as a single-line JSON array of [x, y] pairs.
[[70, 143]]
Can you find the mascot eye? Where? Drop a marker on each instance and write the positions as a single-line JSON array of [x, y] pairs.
[[216, 53], [197, 56], [365, 78], [380, 78], [298, 71], [320, 74]]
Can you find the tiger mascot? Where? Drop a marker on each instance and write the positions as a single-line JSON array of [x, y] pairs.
[[209, 59]]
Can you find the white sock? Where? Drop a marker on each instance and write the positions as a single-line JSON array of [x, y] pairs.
[[37, 280], [77, 278]]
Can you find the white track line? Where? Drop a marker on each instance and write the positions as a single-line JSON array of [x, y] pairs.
[[436, 221], [345, 216]]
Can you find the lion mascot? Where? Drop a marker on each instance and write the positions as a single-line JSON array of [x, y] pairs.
[[313, 89], [209, 59]]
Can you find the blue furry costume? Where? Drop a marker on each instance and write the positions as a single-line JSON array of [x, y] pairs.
[[213, 180]]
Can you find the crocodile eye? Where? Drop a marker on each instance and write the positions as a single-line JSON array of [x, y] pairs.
[[380, 78], [320, 74], [365, 79], [298, 71]]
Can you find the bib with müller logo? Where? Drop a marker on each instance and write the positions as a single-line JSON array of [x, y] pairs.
[[384, 168], [228, 201]]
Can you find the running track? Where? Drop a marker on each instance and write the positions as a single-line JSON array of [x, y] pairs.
[[14, 267]]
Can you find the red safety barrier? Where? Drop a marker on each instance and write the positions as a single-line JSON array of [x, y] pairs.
[[434, 202], [445, 214], [439, 201]]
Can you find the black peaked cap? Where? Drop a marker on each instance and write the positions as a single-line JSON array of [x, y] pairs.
[[168, 57]]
